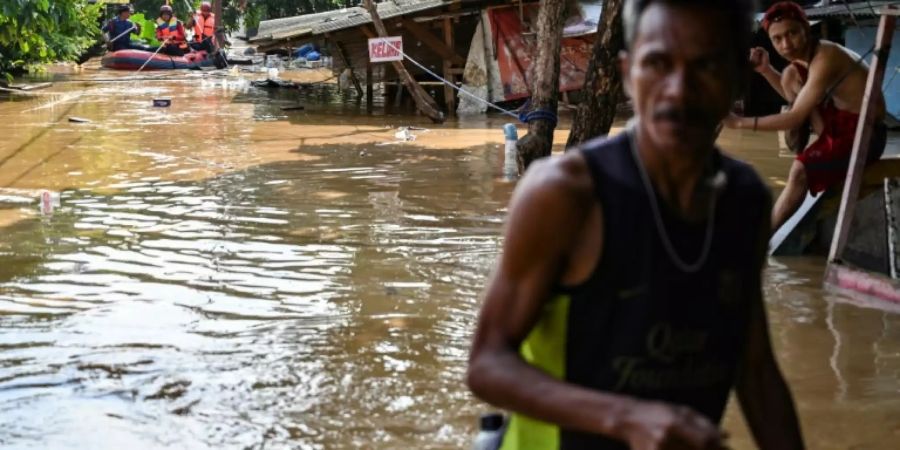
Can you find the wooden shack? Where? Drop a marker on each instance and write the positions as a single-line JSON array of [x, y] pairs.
[[436, 33]]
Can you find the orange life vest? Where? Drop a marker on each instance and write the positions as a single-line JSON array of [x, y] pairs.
[[204, 27], [172, 30]]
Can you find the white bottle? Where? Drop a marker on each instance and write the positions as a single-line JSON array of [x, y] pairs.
[[490, 436], [510, 166]]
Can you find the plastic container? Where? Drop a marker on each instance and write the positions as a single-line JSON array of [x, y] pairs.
[[304, 50], [313, 56], [490, 435], [510, 166]]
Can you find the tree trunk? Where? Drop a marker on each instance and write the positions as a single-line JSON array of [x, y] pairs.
[[603, 82], [538, 143], [220, 28], [424, 102]]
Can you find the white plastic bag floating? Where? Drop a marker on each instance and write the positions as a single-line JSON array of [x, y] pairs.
[[404, 135]]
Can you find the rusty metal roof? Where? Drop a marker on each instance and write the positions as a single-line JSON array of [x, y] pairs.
[[320, 23], [863, 9]]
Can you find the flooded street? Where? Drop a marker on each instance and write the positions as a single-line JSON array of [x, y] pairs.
[[225, 274]]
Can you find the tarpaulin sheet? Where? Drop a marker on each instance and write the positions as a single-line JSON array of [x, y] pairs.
[[515, 52]]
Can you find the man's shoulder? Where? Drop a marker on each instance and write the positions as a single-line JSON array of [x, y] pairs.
[[832, 55], [599, 144], [565, 175]]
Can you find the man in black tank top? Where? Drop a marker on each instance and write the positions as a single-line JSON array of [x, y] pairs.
[[627, 302]]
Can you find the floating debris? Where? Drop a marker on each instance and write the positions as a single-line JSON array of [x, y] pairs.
[[49, 201], [274, 83], [74, 119], [162, 102]]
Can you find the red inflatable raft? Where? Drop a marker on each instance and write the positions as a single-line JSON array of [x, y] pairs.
[[134, 59]]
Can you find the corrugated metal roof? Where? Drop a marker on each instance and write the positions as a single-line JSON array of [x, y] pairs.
[[319, 23], [859, 9]]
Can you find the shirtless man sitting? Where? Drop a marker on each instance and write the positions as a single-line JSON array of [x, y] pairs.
[[824, 84]]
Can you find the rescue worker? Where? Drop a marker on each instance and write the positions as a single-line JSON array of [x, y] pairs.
[[204, 24], [170, 33], [119, 30]]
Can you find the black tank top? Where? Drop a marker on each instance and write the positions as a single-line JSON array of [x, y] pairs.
[[640, 326]]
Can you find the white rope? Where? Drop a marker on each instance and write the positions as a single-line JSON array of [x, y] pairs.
[[453, 85]]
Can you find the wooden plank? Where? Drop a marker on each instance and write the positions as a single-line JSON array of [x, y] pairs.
[[433, 42], [861, 141], [370, 88], [449, 92], [346, 59], [456, 15]]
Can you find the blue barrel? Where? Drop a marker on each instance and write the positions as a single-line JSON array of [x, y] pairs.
[[304, 50]]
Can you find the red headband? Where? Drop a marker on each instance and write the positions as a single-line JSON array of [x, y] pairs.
[[782, 11]]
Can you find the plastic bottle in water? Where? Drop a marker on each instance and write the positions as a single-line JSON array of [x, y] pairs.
[[510, 167], [490, 436]]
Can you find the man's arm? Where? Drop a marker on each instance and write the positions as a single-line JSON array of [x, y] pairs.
[[759, 60], [764, 396], [547, 215], [821, 76]]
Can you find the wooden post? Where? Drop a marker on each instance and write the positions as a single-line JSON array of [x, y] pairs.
[[346, 59], [449, 92], [863, 135], [602, 82], [398, 97], [370, 94], [424, 102], [545, 70]]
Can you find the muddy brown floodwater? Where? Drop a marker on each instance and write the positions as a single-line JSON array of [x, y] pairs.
[[223, 274]]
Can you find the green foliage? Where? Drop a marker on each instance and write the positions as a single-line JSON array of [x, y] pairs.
[[248, 12], [150, 8], [39, 31], [148, 28]]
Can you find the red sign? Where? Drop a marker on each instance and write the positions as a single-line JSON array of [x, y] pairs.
[[386, 49]]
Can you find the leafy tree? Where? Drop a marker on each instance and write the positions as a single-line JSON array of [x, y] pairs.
[[39, 31]]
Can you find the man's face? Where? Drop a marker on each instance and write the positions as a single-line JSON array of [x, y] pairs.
[[790, 39], [166, 16], [681, 74], [125, 15]]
